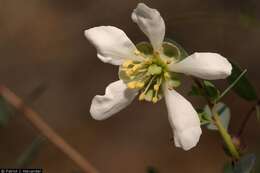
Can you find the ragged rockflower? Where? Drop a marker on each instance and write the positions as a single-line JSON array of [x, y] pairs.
[[152, 73]]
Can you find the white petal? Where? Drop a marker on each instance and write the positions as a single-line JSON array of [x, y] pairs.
[[116, 98], [151, 23], [183, 119], [112, 44], [209, 66]]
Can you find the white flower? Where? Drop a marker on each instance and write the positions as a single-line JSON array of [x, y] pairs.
[[153, 75]]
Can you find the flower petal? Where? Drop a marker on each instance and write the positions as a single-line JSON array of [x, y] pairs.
[[209, 66], [151, 23], [112, 44], [183, 119], [116, 98]]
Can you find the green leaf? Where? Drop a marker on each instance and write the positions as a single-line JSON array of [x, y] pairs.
[[4, 112], [228, 168], [195, 91], [30, 153], [224, 114], [211, 91], [243, 87], [231, 85], [145, 48], [245, 164], [205, 119]]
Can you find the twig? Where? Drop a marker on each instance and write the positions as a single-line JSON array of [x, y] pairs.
[[246, 119], [35, 119]]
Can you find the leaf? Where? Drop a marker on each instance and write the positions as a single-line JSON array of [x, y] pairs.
[[29, 154], [4, 112], [145, 48], [231, 85], [195, 91], [224, 113], [211, 91], [205, 119], [228, 168], [243, 87], [245, 164]]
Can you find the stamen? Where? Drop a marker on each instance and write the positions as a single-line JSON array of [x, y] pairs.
[[148, 75], [167, 75], [143, 94], [127, 63], [135, 85], [156, 88]]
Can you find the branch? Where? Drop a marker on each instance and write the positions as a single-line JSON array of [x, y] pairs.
[[35, 119], [246, 119]]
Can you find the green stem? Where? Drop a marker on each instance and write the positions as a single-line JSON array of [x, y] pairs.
[[226, 137], [223, 132]]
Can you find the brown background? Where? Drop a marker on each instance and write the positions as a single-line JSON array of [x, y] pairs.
[[42, 42]]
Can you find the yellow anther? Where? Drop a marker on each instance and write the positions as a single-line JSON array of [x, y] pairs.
[[129, 72], [131, 85], [136, 67], [156, 87], [167, 75], [168, 61], [139, 85], [137, 52], [155, 100], [141, 96], [127, 63], [148, 61], [135, 85]]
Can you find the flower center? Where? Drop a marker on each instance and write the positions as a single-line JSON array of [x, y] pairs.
[[148, 75]]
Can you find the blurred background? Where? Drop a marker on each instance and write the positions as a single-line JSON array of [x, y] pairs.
[[42, 44]]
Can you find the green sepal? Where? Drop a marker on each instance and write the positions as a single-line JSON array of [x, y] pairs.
[[243, 88], [211, 91], [170, 50], [145, 47], [183, 52]]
